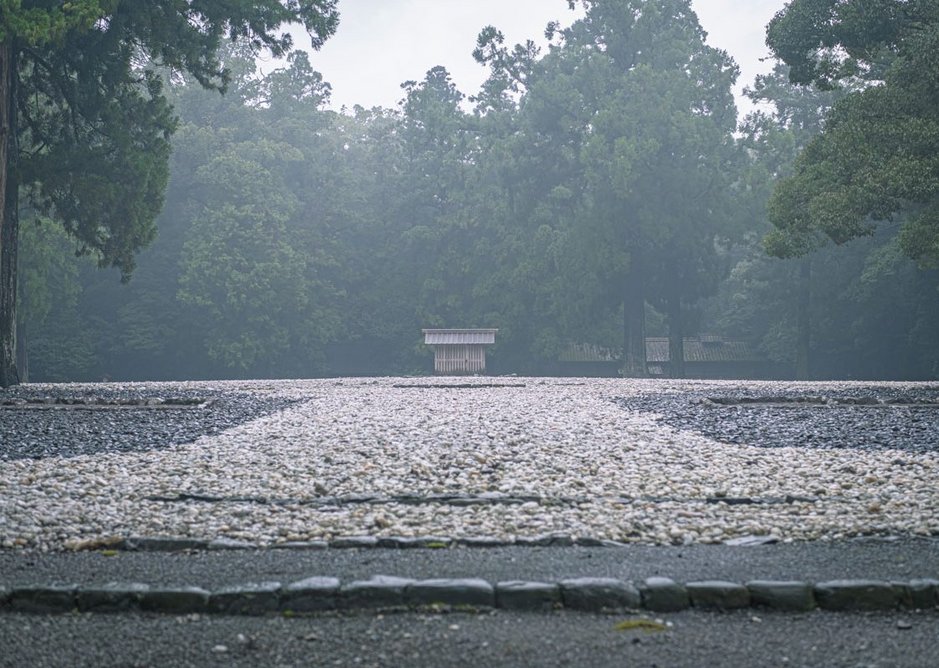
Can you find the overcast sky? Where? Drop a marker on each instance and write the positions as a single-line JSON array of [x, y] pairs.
[[382, 43]]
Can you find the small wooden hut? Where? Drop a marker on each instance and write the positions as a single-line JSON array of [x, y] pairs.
[[459, 352]]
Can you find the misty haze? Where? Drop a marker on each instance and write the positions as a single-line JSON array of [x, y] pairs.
[[601, 332], [580, 201]]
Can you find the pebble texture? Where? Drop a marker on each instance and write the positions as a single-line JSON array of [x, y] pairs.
[[887, 416], [538, 461], [50, 431]]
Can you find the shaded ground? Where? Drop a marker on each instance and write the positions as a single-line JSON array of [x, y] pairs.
[[914, 428], [900, 560], [38, 433], [504, 639]]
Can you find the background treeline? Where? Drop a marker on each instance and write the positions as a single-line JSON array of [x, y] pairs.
[[596, 192]]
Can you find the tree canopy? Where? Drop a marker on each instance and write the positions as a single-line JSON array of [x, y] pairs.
[[876, 159], [87, 123], [586, 192]]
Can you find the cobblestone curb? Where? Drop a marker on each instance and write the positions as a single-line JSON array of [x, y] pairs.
[[317, 594], [558, 539], [664, 595], [788, 595], [522, 595]]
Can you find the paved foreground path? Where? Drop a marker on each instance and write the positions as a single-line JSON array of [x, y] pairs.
[[693, 640]]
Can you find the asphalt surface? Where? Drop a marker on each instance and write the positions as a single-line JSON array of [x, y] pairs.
[[694, 639], [902, 639], [876, 559]]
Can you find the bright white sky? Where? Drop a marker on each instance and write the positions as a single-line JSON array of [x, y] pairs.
[[382, 43]]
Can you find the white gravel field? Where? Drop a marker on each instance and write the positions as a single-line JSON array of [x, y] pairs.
[[598, 471]]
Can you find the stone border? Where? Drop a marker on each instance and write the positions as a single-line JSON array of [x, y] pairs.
[[186, 544], [454, 386], [98, 403], [484, 499], [558, 539], [812, 401], [318, 594], [180, 544]]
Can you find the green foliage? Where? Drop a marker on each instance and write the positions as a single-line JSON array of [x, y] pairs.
[[39, 23], [868, 305], [297, 241], [826, 41], [102, 173], [642, 109], [640, 624], [48, 270], [96, 125], [59, 340], [91, 126], [876, 159]]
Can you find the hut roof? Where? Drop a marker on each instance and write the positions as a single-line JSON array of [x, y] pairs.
[[459, 336]]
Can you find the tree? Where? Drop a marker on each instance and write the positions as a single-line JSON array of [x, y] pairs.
[[539, 274], [50, 320], [656, 145], [773, 141], [875, 160], [861, 310], [86, 125]]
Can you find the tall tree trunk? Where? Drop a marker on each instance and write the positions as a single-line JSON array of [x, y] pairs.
[[634, 321], [803, 327], [676, 335], [22, 352], [9, 221]]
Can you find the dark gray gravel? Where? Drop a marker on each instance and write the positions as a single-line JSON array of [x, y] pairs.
[[36, 433], [855, 426], [694, 639], [903, 559]]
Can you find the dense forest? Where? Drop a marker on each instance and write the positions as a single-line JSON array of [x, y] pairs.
[[599, 190]]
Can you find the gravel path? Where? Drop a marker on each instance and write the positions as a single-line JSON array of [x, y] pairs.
[[587, 457], [83, 423], [857, 417]]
